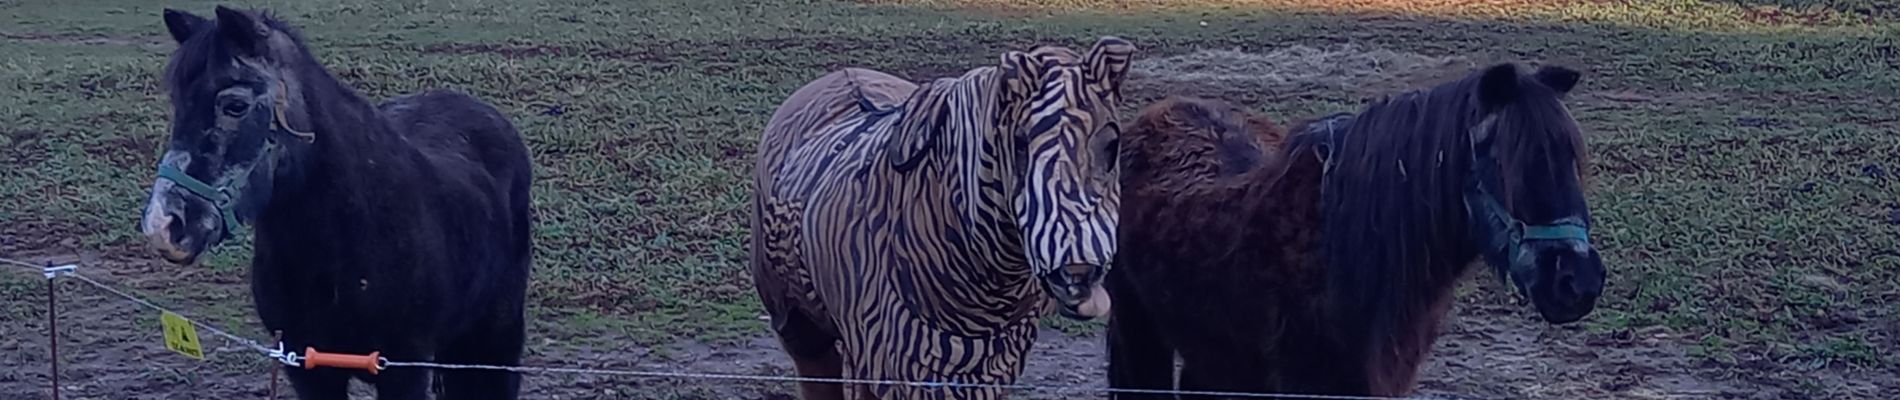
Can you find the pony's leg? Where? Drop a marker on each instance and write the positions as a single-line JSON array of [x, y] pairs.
[[815, 355], [820, 365], [1196, 377], [498, 344], [402, 384], [1138, 358], [1238, 373], [319, 384]]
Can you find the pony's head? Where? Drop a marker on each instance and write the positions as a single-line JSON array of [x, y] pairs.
[[1060, 110], [236, 117], [1525, 198], [1047, 122]]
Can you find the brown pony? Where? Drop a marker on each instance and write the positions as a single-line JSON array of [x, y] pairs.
[[1321, 263]]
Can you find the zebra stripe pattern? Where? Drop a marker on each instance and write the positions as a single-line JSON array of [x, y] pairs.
[[908, 232]]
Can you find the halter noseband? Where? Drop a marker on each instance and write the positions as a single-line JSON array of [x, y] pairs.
[[220, 197]]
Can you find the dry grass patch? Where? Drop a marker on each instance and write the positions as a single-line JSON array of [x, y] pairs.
[[1703, 15], [1293, 71]]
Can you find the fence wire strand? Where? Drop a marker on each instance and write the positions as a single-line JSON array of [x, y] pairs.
[[194, 322], [800, 379], [21, 264], [275, 355]]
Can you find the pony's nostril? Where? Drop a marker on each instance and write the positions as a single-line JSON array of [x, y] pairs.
[[1078, 279], [175, 225], [1566, 277], [1078, 271], [1577, 279]]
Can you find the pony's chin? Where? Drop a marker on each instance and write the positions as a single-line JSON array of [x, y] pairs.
[[1557, 309], [178, 257], [1561, 317], [1098, 305], [182, 254]]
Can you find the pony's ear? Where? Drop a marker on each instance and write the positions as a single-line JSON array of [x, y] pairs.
[[1558, 78], [243, 31], [917, 132], [1107, 64], [1498, 86], [183, 24], [1021, 74]]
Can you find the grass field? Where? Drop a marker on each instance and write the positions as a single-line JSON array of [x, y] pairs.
[[1747, 152]]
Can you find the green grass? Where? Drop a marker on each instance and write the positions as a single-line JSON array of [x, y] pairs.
[[1733, 149]]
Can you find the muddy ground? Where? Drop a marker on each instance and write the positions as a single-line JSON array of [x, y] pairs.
[[111, 349]]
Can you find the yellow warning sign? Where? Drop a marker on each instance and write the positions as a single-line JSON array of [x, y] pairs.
[[180, 336]]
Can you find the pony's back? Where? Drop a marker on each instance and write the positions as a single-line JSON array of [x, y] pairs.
[[1186, 141], [831, 98]]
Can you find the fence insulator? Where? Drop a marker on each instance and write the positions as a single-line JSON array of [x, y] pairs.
[[313, 359]]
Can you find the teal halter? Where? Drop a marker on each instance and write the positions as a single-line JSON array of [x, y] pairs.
[[1500, 236], [220, 197]]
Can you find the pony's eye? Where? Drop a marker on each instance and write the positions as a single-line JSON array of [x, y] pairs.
[[233, 106]]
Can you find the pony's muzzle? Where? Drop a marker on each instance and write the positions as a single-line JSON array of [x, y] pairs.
[[1077, 289], [165, 227], [1575, 282]]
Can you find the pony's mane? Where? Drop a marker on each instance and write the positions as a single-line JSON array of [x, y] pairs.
[[1394, 229], [1056, 55], [973, 84]]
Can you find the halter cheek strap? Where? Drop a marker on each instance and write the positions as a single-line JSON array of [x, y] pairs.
[[1501, 237]]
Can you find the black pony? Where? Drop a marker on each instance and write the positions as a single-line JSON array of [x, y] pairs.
[[401, 227], [1326, 269]]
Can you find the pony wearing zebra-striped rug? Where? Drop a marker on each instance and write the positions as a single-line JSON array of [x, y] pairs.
[[907, 232], [1320, 263]]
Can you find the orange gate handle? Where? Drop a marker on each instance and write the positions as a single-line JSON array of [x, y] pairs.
[[313, 359]]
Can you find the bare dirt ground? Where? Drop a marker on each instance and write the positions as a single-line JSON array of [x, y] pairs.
[[111, 349]]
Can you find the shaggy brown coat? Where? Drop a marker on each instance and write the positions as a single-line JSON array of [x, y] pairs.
[[1231, 258]]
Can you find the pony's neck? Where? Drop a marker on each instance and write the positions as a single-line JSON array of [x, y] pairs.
[[352, 157], [969, 180], [1396, 239], [339, 114], [979, 164]]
